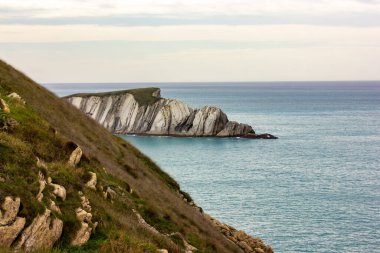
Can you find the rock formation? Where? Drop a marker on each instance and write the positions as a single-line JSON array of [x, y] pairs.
[[92, 182], [17, 97], [246, 242], [10, 224], [4, 106], [123, 113], [75, 157], [41, 234], [84, 216]]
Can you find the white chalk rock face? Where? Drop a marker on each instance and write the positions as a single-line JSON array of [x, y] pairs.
[[92, 182], [171, 114], [143, 111]]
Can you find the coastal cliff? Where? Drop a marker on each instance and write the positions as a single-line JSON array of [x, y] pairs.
[[143, 111], [69, 185]]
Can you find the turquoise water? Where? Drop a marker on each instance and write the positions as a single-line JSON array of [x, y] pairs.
[[315, 189]]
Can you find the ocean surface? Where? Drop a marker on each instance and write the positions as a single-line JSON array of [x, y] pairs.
[[315, 189]]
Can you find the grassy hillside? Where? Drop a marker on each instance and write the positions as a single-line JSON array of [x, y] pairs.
[[48, 128], [155, 194]]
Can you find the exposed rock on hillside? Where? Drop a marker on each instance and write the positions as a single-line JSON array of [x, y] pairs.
[[92, 182], [10, 224], [75, 157], [17, 97], [246, 242], [4, 106], [123, 112], [84, 216], [42, 233]]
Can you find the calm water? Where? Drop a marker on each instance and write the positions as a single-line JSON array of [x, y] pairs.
[[315, 189]]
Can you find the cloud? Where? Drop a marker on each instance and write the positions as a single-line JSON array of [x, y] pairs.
[[193, 40], [222, 33], [174, 12]]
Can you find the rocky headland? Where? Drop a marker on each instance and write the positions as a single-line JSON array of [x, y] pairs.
[[145, 112]]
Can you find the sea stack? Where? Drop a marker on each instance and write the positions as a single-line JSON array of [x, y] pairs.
[[145, 112]]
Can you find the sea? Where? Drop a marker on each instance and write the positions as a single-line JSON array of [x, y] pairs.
[[315, 189]]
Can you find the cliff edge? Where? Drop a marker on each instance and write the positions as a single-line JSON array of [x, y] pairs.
[[145, 112]]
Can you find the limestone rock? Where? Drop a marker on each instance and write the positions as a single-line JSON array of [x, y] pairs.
[[258, 250], [42, 233], [4, 106], [92, 182], [9, 233], [85, 202], [59, 190], [233, 128], [85, 217], [53, 206], [10, 224], [41, 180], [246, 242], [109, 193], [10, 209], [16, 96], [120, 113], [82, 215], [82, 235], [146, 225], [75, 157]]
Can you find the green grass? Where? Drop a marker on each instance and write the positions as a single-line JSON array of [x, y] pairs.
[[47, 127], [143, 96]]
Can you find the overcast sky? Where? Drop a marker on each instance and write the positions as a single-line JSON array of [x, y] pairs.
[[193, 40]]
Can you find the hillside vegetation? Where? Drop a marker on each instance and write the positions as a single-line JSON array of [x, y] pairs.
[[59, 164], [144, 96]]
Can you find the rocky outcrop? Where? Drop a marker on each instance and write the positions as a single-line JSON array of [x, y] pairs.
[[85, 218], [75, 156], [10, 224], [42, 181], [145, 224], [17, 97], [246, 242], [41, 234], [58, 190], [4, 106], [122, 113], [84, 232], [109, 193]]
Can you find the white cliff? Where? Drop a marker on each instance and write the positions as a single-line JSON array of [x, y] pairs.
[[123, 112]]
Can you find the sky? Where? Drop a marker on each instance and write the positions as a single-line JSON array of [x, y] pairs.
[[55, 41]]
